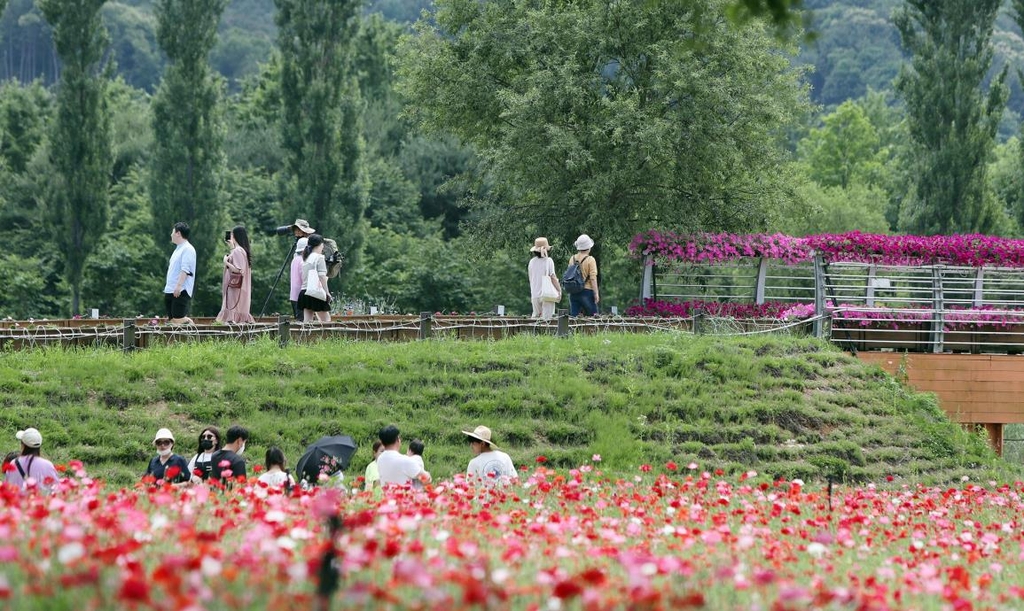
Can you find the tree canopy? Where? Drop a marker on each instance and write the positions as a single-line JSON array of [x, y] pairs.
[[607, 117]]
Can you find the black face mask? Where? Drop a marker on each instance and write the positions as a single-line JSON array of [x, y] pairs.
[[205, 444]]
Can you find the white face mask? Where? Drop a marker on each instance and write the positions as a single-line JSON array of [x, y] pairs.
[[164, 453], [241, 450]]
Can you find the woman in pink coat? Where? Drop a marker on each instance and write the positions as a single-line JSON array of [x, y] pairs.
[[237, 285]]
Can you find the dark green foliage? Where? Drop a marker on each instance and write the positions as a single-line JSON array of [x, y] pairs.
[[188, 140], [608, 118], [952, 121], [565, 399], [320, 119], [80, 144]]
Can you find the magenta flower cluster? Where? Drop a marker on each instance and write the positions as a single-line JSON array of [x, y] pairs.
[[855, 247], [724, 309], [955, 318]]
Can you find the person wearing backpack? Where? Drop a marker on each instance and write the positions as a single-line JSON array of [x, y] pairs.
[[580, 279]]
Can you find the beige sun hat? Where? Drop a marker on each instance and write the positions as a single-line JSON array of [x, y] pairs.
[[481, 433], [303, 224], [163, 434], [540, 244]]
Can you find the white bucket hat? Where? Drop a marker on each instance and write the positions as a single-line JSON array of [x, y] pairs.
[[584, 242], [32, 438]]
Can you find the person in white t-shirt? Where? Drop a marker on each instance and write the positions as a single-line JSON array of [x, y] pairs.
[[275, 475], [489, 464], [397, 469]]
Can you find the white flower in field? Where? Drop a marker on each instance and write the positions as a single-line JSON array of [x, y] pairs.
[[798, 482], [442, 535], [274, 515], [286, 543], [210, 567], [70, 552], [500, 576], [817, 550], [554, 603], [965, 478]]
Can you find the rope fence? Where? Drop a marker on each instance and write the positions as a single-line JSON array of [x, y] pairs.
[[134, 334]]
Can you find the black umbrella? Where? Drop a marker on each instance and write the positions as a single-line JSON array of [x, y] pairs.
[[325, 455]]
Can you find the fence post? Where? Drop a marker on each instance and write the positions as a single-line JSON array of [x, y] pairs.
[[762, 276], [563, 323], [819, 296], [938, 316], [284, 331], [869, 290], [979, 287], [698, 322], [425, 318], [128, 343], [647, 285]]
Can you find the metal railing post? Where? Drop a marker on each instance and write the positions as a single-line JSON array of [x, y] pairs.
[[762, 273], [938, 316], [819, 296], [647, 285]]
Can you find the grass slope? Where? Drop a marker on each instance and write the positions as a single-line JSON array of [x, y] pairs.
[[788, 407]]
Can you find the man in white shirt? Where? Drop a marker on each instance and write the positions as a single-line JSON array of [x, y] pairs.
[[489, 464], [397, 469]]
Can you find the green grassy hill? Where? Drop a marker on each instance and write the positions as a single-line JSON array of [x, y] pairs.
[[786, 407]]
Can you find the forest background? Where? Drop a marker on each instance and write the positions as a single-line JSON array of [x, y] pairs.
[[445, 146]]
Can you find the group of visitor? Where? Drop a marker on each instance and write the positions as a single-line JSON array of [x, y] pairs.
[[310, 296], [220, 459], [545, 288]]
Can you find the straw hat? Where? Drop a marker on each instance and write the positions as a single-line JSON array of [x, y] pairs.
[[540, 244], [481, 433]]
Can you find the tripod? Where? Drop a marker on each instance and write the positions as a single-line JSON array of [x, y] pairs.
[[287, 262]]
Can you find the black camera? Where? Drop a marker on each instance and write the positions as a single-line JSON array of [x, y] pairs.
[[227, 235], [282, 230]]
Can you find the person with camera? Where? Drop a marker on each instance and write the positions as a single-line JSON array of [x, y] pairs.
[[315, 298], [236, 287], [301, 230], [181, 276]]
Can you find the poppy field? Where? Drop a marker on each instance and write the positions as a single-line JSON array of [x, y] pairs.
[[667, 537]]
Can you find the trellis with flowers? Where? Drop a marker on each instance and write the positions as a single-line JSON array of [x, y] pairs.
[[961, 293]]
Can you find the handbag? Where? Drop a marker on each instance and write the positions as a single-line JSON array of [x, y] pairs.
[[313, 288], [234, 280], [548, 292]]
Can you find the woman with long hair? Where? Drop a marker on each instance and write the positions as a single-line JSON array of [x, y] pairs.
[[201, 464], [236, 288], [313, 259]]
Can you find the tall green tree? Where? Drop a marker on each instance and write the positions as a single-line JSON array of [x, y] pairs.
[[951, 119], [188, 147], [324, 180], [1017, 200], [80, 144], [607, 117]]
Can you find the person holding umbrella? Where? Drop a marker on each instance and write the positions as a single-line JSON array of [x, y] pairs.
[[325, 460]]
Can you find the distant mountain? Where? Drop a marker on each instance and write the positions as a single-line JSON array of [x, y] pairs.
[[857, 46]]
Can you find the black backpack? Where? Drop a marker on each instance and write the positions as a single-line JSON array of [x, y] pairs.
[[573, 280]]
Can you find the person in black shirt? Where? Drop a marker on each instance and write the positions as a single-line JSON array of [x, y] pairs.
[[230, 456], [167, 465]]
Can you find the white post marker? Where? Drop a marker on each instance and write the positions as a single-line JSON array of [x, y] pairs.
[[501, 310], [615, 310], [95, 313], [373, 310]]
